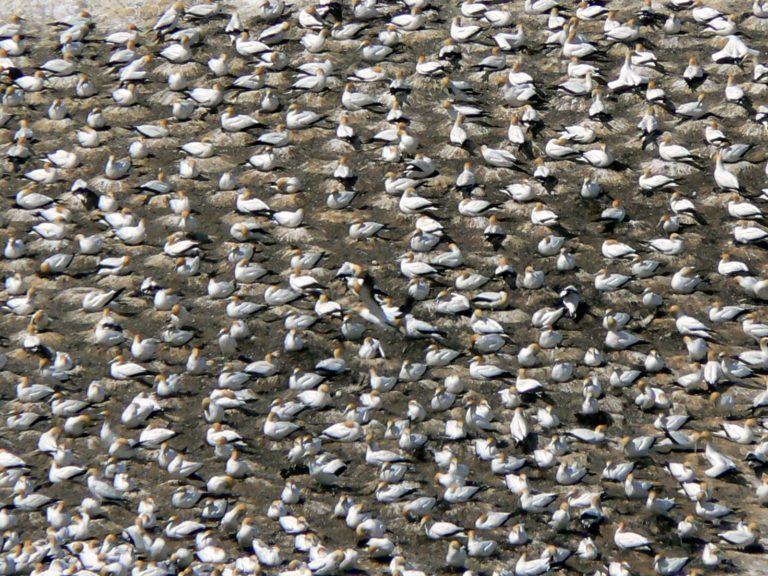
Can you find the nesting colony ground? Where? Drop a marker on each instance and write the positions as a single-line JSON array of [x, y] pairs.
[[385, 287]]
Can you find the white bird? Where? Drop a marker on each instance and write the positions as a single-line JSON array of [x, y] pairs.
[[724, 179], [743, 536], [629, 540]]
